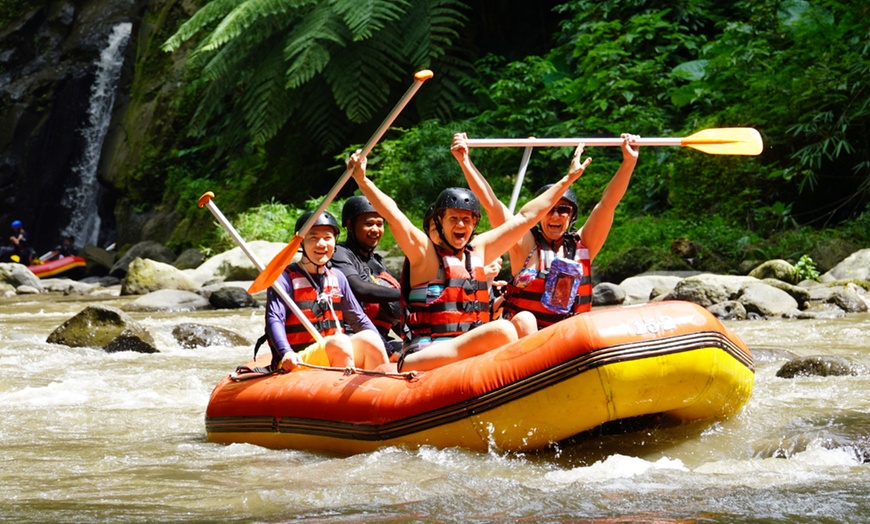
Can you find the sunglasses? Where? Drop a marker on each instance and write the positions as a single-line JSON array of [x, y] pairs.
[[562, 209]]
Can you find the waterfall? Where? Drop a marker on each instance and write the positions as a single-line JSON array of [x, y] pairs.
[[81, 197]]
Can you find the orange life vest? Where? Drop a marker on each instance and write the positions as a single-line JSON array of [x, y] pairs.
[[324, 319], [456, 302], [529, 298]]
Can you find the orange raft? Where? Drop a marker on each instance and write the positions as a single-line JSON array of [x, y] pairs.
[[669, 357], [65, 266]]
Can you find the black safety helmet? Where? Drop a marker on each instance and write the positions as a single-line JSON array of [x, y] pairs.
[[569, 195], [354, 207], [458, 198], [325, 219]]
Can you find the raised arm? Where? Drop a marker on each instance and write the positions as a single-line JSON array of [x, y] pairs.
[[497, 212], [413, 242], [496, 242], [594, 232]]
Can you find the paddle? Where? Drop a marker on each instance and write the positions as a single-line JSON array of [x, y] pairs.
[[280, 261], [715, 141], [206, 200]]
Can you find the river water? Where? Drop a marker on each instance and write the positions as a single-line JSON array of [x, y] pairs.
[[89, 436]]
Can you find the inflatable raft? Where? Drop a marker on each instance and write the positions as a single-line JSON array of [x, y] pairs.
[[673, 358], [70, 267]]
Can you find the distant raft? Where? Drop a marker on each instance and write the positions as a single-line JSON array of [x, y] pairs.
[[69, 267], [673, 358]]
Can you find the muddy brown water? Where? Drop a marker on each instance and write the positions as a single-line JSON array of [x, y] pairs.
[[94, 437]]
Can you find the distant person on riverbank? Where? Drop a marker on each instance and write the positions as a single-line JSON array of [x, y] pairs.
[[325, 298], [66, 248], [18, 248], [376, 289], [445, 289], [553, 254]]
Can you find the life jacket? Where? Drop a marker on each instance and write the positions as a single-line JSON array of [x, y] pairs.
[[324, 319], [381, 316], [456, 302], [529, 298]]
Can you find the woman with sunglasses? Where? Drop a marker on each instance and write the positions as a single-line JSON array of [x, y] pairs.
[[532, 258]]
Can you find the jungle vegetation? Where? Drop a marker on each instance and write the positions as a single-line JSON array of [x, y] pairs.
[[278, 92]]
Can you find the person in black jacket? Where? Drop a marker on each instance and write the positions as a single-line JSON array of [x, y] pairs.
[[370, 280]]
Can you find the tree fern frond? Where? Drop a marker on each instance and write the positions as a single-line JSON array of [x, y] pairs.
[[229, 64], [199, 21], [323, 122], [261, 30], [364, 18], [361, 81], [306, 65], [305, 49], [430, 28], [241, 19], [267, 104]]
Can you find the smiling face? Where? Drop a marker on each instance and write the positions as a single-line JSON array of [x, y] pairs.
[[558, 220], [368, 229], [318, 247], [457, 225]]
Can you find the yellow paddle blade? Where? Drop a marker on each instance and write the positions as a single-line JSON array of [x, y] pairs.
[[726, 141], [272, 271]]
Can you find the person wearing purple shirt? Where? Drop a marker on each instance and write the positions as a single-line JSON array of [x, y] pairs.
[[325, 298]]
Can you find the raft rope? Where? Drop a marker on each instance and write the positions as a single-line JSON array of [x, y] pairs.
[[246, 373], [351, 370]]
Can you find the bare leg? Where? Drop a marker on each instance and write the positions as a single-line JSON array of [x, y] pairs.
[[368, 350], [340, 351], [525, 323], [475, 342]]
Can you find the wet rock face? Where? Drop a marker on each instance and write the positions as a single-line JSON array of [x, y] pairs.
[[46, 71]]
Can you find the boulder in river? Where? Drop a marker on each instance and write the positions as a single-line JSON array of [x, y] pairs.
[[104, 327]]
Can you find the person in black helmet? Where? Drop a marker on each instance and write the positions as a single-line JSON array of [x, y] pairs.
[[372, 284], [444, 287], [554, 237], [325, 298]]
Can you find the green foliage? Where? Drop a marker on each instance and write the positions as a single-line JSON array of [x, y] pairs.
[[315, 65], [798, 71], [806, 268], [282, 77]]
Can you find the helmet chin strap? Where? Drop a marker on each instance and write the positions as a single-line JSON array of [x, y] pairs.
[[444, 242], [317, 267]]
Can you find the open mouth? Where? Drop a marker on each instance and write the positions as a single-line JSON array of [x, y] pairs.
[[555, 229]]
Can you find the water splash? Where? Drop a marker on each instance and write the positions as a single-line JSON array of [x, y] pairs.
[[81, 199]]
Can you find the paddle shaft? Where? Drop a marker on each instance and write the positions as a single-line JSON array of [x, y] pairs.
[[282, 293], [568, 142], [419, 78]]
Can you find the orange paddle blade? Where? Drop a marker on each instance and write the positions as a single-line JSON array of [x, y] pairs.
[[276, 266], [726, 141]]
